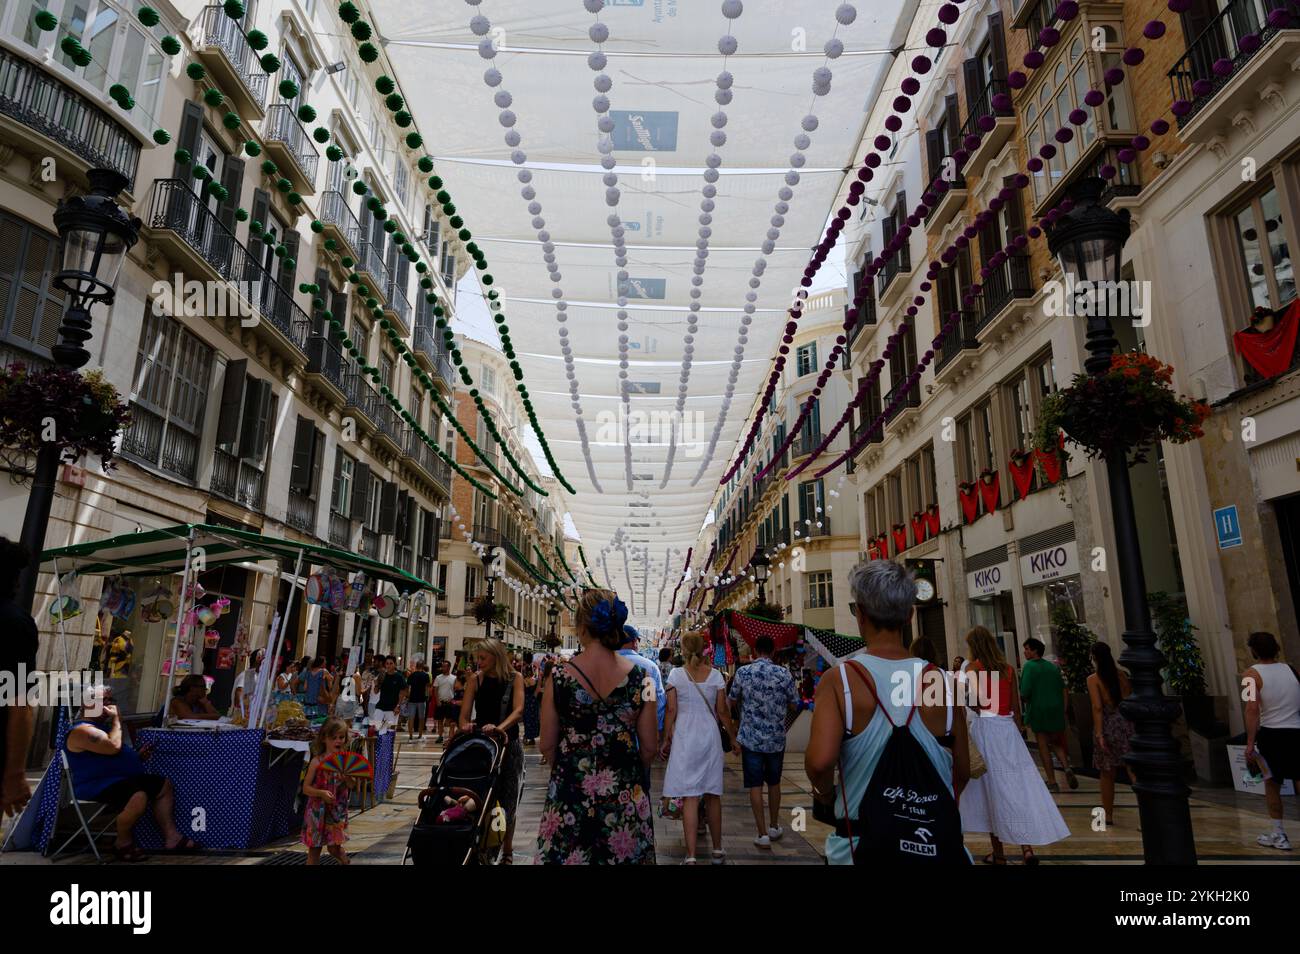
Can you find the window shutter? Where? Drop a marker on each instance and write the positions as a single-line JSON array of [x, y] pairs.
[[232, 178], [963, 278], [256, 420], [288, 276], [998, 46], [953, 124], [401, 528], [974, 87], [934, 153], [900, 215], [232, 401], [360, 491], [191, 130], [304, 455], [388, 508], [429, 535], [1015, 215], [260, 210]]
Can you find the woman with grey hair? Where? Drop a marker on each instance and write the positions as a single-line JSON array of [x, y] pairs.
[[852, 718]]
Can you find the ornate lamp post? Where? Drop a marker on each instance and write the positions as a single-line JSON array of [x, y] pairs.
[[1088, 242], [760, 564], [95, 234], [552, 616], [489, 569]]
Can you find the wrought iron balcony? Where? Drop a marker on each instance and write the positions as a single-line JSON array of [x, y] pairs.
[[39, 101], [359, 395], [288, 142], [806, 443], [370, 262], [1008, 282], [911, 399], [389, 425], [398, 305], [865, 420], [963, 337], [898, 264], [340, 224], [340, 531], [992, 139], [238, 480], [369, 543], [810, 529], [301, 513], [414, 448], [325, 359], [1194, 79], [223, 49], [175, 208], [150, 441], [866, 316]]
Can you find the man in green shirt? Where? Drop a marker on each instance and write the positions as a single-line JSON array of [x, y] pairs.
[[1042, 692]]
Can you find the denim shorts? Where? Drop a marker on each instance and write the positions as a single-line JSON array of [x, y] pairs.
[[761, 767]]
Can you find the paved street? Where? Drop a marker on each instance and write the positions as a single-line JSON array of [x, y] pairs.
[[1225, 824]]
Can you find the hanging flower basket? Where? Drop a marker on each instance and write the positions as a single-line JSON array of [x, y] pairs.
[[81, 413], [486, 611], [1127, 410]]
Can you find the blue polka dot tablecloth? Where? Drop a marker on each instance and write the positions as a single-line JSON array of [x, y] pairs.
[[232, 792], [384, 746]]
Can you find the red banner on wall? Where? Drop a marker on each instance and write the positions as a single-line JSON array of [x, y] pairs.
[[1270, 352]]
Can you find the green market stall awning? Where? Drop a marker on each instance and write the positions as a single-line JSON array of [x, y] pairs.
[[163, 551]]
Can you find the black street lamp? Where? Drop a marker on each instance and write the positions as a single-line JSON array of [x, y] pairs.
[[489, 569], [760, 564], [552, 616], [95, 234], [1088, 242]]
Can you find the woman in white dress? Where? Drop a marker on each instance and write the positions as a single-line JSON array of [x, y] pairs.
[[692, 745], [1009, 802]]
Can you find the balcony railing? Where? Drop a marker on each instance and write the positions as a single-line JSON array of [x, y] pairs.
[[806, 443], [389, 424], [812, 530], [340, 531], [397, 301], [335, 214], [325, 358], [897, 264], [369, 543], [963, 337], [1035, 17], [911, 399], [819, 602], [177, 209], [360, 394], [371, 261], [425, 340], [1194, 78], [40, 102], [1007, 282], [420, 452], [983, 106], [877, 435], [281, 127], [301, 513], [238, 480], [168, 448], [866, 316], [215, 29], [405, 558]]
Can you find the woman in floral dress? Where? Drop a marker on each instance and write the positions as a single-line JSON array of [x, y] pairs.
[[599, 733]]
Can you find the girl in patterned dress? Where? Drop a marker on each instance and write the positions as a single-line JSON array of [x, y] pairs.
[[325, 821]]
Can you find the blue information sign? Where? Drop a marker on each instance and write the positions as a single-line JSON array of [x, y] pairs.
[[1228, 527]]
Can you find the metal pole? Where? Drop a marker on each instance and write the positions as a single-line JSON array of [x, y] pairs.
[[180, 615], [491, 595], [36, 521], [278, 635]]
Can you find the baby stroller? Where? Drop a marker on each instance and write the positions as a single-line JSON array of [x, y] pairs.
[[470, 766]]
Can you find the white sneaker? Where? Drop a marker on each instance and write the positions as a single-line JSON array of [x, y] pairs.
[[719, 857], [775, 833], [763, 841], [1274, 839]]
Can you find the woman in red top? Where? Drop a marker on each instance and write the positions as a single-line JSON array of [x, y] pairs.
[[1009, 802]]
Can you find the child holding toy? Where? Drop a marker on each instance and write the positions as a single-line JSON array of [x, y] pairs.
[[325, 821]]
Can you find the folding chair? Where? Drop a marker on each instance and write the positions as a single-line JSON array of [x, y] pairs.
[[84, 821]]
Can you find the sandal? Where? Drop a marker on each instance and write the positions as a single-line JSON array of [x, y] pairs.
[[719, 857], [1028, 855], [688, 860], [992, 859], [1071, 779], [128, 853], [186, 846], [1054, 788]]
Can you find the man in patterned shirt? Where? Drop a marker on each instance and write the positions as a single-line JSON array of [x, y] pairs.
[[766, 693]]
